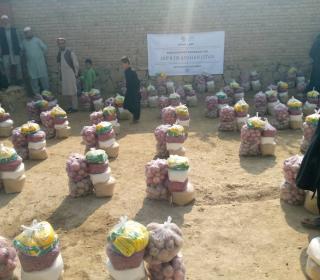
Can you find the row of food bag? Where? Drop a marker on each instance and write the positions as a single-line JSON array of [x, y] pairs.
[[265, 102], [6, 123], [130, 243], [93, 101], [12, 171], [38, 249], [184, 95], [90, 173], [257, 138], [45, 102], [30, 142], [102, 136], [55, 123], [168, 179]]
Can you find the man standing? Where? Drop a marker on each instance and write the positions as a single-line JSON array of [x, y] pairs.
[[35, 50], [133, 96], [69, 68], [315, 73], [10, 50]]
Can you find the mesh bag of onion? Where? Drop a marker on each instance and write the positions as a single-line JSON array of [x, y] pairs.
[[227, 119], [212, 107], [200, 83], [89, 136], [19, 140], [250, 141], [165, 242], [164, 102], [47, 119], [76, 167], [309, 128], [291, 194], [144, 97], [282, 117], [173, 270], [8, 259], [156, 172], [260, 103], [160, 134], [182, 94], [80, 188], [161, 89], [168, 115], [291, 168], [96, 117], [170, 87], [251, 137], [79, 180]]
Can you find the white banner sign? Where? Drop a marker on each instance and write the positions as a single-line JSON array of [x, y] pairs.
[[186, 54]]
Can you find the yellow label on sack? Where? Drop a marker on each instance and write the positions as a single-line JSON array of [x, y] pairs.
[[29, 127], [131, 238], [44, 235], [58, 111]]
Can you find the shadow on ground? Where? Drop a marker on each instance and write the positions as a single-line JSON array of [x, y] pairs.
[[159, 211], [74, 212]]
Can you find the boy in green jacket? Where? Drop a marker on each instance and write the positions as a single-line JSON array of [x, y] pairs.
[[89, 76]]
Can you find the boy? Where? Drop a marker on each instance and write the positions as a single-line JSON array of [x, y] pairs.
[[133, 96], [89, 76]]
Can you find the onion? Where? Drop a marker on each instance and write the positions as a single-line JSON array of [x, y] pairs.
[[291, 168], [96, 117], [163, 237], [76, 167], [8, 259], [168, 115], [250, 141]]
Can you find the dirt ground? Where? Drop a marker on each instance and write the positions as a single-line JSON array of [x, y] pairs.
[[236, 229]]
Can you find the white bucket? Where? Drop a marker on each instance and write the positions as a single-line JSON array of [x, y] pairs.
[[185, 123], [106, 144], [7, 123], [296, 118], [61, 126], [52, 273], [14, 174], [174, 146], [138, 273], [178, 176], [100, 178], [267, 140], [37, 145]]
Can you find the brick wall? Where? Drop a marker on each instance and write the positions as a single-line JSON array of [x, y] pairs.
[[268, 35]]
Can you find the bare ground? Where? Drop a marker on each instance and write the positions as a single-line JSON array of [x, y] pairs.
[[236, 229]]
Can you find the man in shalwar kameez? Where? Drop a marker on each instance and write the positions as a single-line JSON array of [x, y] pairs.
[[10, 50], [69, 69], [35, 50]]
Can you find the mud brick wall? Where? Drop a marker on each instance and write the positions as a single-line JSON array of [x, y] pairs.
[[266, 35]]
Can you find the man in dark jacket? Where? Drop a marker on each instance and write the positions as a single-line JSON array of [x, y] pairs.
[[315, 73], [133, 96], [308, 177], [10, 50]]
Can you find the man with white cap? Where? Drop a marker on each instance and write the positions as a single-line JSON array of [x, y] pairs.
[[69, 69], [10, 50], [34, 51]]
